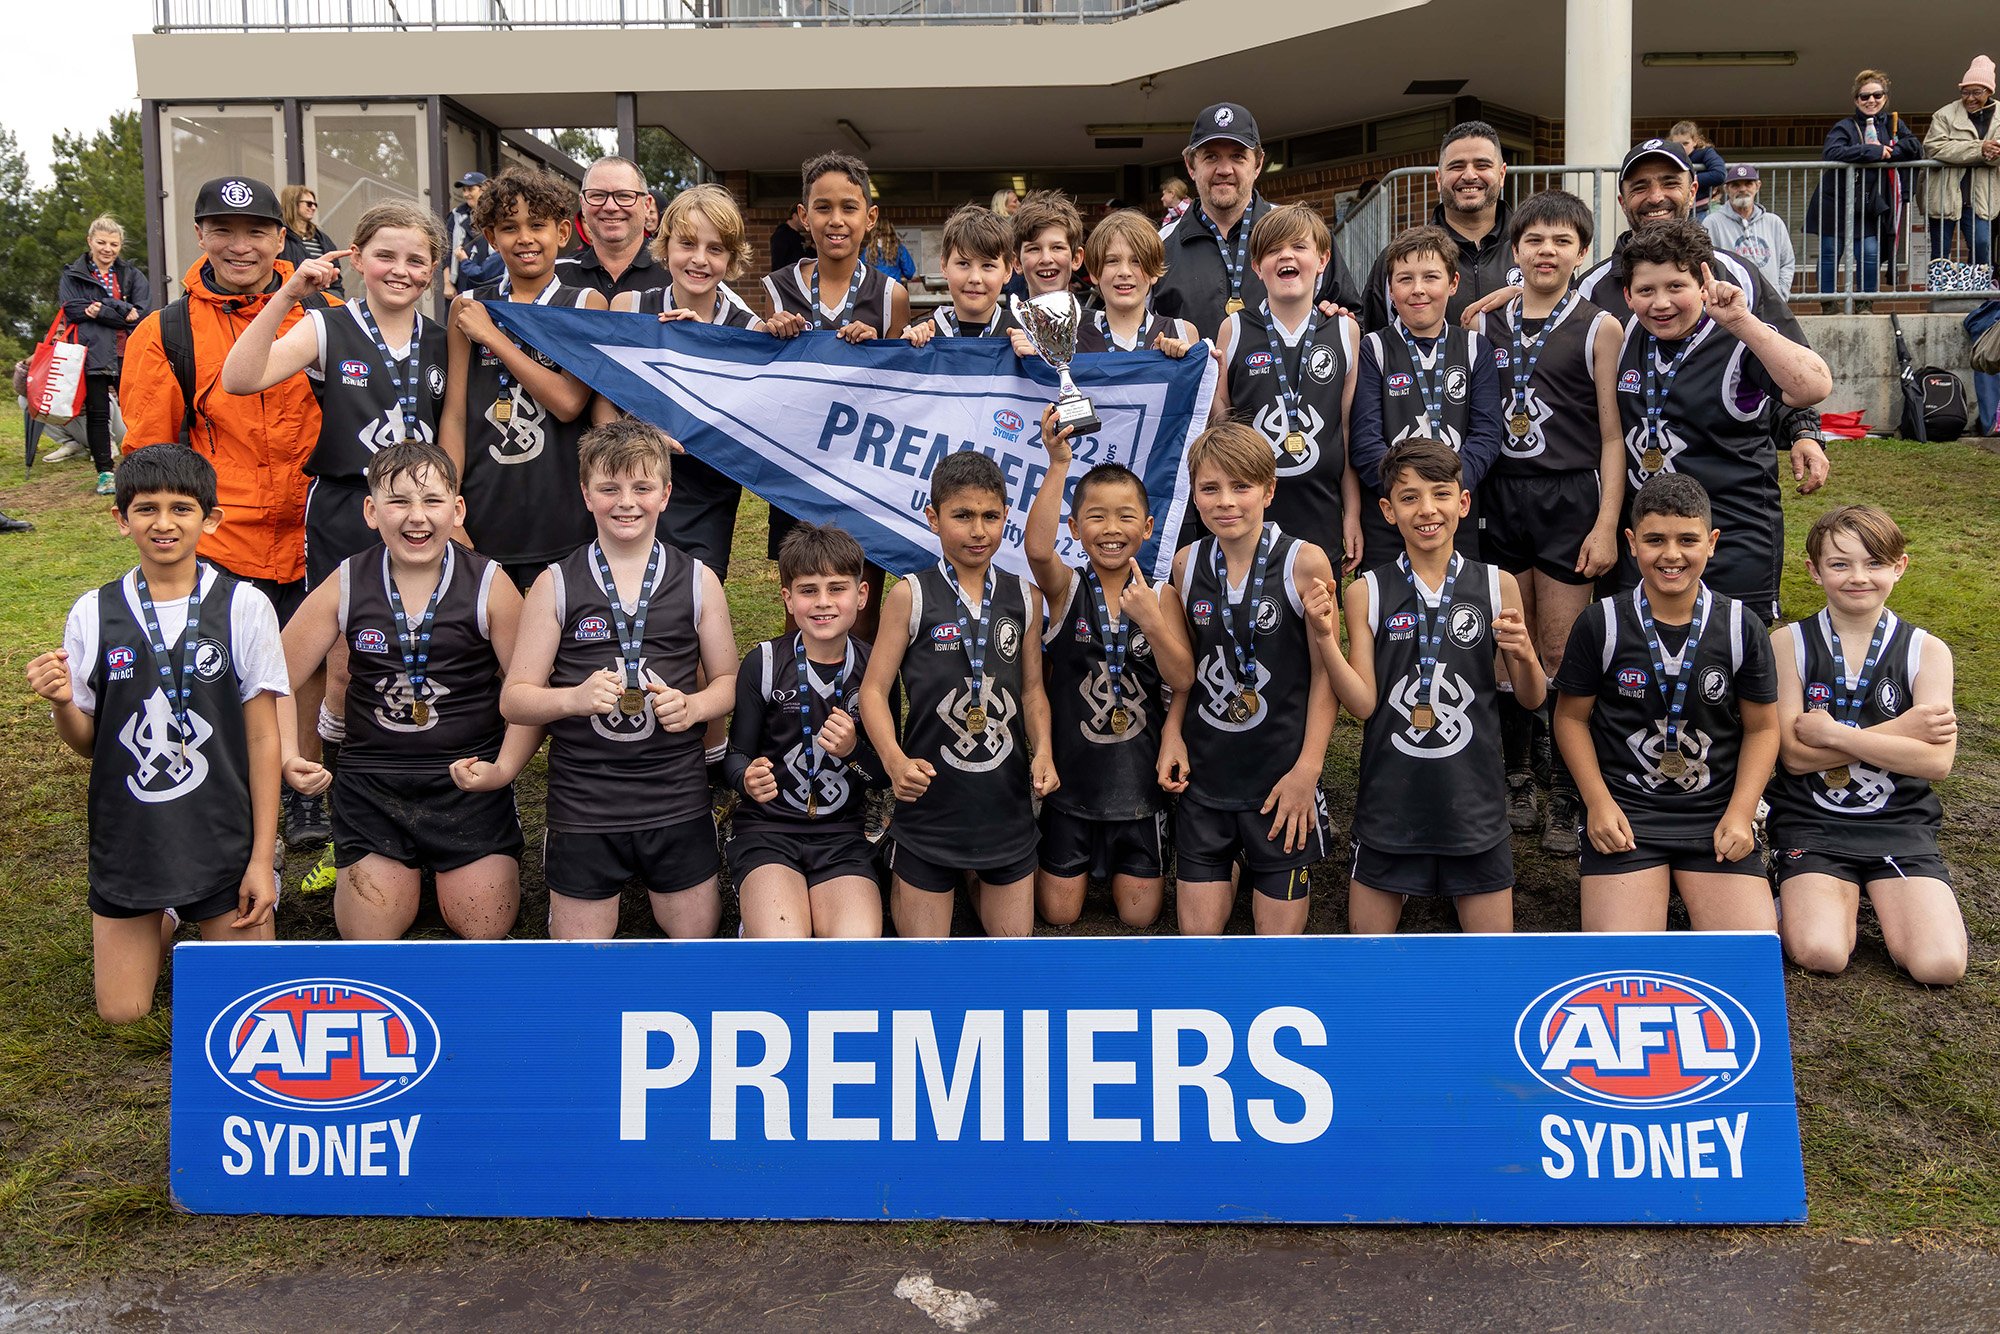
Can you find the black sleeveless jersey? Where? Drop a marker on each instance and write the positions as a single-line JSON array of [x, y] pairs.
[[1236, 764], [769, 722], [461, 691], [1094, 334], [359, 411], [945, 320], [978, 810], [729, 311], [1608, 659], [1403, 411], [617, 771], [1439, 790], [1875, 813], [158, 798], [1713, 429], [1111, 775], [1561, 397], [523, 504], [1307, 503], [790, 289]]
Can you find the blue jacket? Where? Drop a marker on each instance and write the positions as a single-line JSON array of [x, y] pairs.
[[103, 334], [1709, 169]]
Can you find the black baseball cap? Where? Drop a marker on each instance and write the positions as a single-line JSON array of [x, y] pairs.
[[1225, 120], [1665, 148], [237, 196]]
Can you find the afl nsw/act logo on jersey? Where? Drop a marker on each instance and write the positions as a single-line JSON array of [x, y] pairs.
[[1819, 695], [354, 373], [1637, 1039], [1628, 383], [1257, 363], [119, 661], [1399, 383], [322, 1045], [1632, 681], [1201, 609], [945, 635], [1403, 625], [371, 641], [591, 629]]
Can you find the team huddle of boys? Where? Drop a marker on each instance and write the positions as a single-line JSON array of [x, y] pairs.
[[1412, 526]]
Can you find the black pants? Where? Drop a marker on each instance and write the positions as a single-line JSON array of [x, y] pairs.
[[97, 388]]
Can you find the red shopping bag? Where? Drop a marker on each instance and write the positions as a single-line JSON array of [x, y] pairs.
[[55, 374]]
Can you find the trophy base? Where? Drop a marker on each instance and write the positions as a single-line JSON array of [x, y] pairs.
[[1077, 414]]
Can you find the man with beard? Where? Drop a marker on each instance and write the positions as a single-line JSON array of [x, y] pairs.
[[1208, 247], [1471, 170], [1748, 229]]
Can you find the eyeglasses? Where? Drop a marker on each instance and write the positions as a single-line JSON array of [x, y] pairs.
[[622, 198], [1869, 97]]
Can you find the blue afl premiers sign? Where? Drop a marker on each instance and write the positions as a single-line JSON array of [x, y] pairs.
[[1570, 1078]]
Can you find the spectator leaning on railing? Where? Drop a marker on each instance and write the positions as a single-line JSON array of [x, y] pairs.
[[1967, 193], [1747, 228], [1869, 137]]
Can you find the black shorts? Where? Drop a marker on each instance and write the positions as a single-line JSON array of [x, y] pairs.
[[286, 598], [1434, 875], [1692, 857], [666, 859], [1859, 870], [781, 526], [819, 854], [335, 527], [421, 821], [215, 903], [1538, 521], [1208, 841], [936, 878], [1074, 845], [701, 513]]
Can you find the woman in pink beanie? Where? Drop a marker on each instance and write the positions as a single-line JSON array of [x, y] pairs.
[[1968, 191]]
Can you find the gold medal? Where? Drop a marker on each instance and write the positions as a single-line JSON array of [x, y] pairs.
[[420, 713], [1231, 306], [975, 719], [1295, 445], [1423, 718], [503, 409], [1249, 698], [1672, 764], [1121, 719], [1652, 460], [633, 701], [1837, 777], [1236, 711], [812, 805], [1520, 424]]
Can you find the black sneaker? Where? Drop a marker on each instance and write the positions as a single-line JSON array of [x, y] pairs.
[[306, 823], [1559, 834], [1524, 812]]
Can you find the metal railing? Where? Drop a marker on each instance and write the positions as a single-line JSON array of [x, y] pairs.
[[187, 16], [1858, 233]]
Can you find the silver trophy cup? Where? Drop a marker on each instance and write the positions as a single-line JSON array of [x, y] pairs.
[[1051, 322]]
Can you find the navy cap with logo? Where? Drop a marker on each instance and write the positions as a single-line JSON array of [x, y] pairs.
[[237, 196], [1661, 148], [1224, 120], [472, 178], [1740, 171]]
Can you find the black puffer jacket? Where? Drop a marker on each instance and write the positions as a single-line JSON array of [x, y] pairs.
[[104, 332]]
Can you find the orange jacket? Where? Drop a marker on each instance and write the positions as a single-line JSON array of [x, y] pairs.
[[258, 443]]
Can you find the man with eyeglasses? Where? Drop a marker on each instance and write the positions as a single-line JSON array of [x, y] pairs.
[[617, 215]]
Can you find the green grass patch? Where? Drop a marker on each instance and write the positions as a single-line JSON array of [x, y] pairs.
[[1899, 1086]]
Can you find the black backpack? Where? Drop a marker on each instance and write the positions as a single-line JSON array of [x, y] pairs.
[[177, 342], [1933, 398]]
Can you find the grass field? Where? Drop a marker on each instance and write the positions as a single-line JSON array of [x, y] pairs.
[[1899, 1086]]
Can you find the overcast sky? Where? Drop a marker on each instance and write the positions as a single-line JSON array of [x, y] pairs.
[[69, 67]]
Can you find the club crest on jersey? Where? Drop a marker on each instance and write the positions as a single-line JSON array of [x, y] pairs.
[[1008, 424], [591, 629], [211, 660], [1138, 645], [1007, 637], [1468, 623], [1403, 625], [1201, 610], [1400, 383], [370, 641], [1632, 682], [436, 381], [1628, 383], [1889, 698], [1267, 615], [1637, 1039], [1819, 693], [118, 663], [1455, 384], [1714, 684], [1258, 363], [1321, 365], [324, 1044], [354, 373]]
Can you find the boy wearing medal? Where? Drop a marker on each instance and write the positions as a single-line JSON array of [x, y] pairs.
[[1554, 495], [1114, 646], [168, 683], [1667, 718], [1287, 375], [1244, 746], [512, 418], [1694, 384], [797, 854], [978, 257], [615, 640], [965, 642], [1431, 638], [1865, 726], [1126, 261], [1422, 377], [425, 777]]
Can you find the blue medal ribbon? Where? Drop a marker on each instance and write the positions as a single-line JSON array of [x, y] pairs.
[[1253, 593], [1847, 709], [632, 631], [178, 686], [1657, 388], [1232, 266], [542, 298], [1111, 339], [973, 636], [845, 316], [1429, 385], [405, 386], [1288, 397], [1523, 353], [1676, 700], [1115, 638], [415, 644], [1430, 633], [811, 753]]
